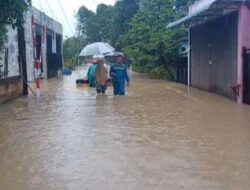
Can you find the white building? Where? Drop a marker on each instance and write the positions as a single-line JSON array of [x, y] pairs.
[[51, 31], [40, 37]]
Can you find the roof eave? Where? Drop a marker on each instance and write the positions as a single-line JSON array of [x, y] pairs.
[[221, 4]]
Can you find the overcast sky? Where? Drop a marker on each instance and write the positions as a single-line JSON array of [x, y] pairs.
[[70, 7]]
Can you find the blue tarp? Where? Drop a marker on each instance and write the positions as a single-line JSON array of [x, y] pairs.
[[67, 71]]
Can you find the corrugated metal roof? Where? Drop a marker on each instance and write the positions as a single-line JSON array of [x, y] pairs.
[[203, 9]]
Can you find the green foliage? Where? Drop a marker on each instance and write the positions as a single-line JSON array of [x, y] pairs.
[[88, 25], [149, 43], [108, 23], [139, 29], [11, 13], [183, 3], [124, 10], [71, 49], [104, 16], [71, 64]]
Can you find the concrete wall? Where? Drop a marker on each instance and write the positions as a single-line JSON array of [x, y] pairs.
[[29, 46], [12, 45], [243, 41], [44, 21], [12, 42], [10, 88]]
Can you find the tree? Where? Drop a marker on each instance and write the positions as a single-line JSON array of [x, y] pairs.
[[109, 23], [124, 10], [105, 15], [71, 49], [181, 6], [149, 43], [139, 29], [11, 13], [183, 3], [88, 25]]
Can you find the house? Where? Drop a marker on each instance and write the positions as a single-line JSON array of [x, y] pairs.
[[11, 83], [181, 64], [40, 38], [219, 42], [47, 34]]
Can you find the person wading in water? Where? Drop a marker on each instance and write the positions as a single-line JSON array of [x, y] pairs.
[[119, 74], [91, 73], [101, 76]]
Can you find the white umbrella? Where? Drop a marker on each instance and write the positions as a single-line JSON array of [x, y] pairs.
[[98, 48], [114, 54]]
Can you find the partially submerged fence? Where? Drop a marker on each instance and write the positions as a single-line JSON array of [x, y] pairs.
[[3, 63]]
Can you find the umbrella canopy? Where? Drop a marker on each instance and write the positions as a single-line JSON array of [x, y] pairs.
[[114, 54], [98, 48]]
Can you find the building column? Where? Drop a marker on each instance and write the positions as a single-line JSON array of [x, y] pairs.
[[44, 55], [189, 59], [243, 41]]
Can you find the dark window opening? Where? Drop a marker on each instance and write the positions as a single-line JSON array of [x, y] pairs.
[[38, 46], [54, 59], [58, 44], [49, 43]]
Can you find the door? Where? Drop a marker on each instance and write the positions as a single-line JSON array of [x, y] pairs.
[[246, 76], [181, 70]]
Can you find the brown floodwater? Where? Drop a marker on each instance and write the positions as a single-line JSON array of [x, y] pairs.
[[158, 137]]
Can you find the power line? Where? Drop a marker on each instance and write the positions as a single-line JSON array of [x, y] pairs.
[[50, 9], [39, 4], [66, 18]]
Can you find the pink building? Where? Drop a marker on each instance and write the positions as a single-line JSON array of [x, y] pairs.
[[219, 41]]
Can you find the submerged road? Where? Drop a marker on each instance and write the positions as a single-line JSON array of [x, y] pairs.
[[158, 137]]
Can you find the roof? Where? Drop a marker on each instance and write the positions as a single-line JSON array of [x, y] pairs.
[[43, 19], [204, 10]]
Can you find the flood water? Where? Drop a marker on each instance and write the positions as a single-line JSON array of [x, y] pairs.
[[158, 137]]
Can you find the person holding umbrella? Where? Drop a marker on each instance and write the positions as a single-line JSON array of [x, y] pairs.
[[101, 75], [119, 74]]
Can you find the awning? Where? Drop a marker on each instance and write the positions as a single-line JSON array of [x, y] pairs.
[[208, 10]]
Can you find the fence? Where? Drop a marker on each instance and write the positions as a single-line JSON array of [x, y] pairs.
[[3, 63]]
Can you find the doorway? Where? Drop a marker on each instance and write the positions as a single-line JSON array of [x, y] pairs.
[[246, 76]]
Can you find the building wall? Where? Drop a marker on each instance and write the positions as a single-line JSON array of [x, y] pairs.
[[10, 88], [12, 45], [214, 55], [29, 46], [44, 21], [243, 41]]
